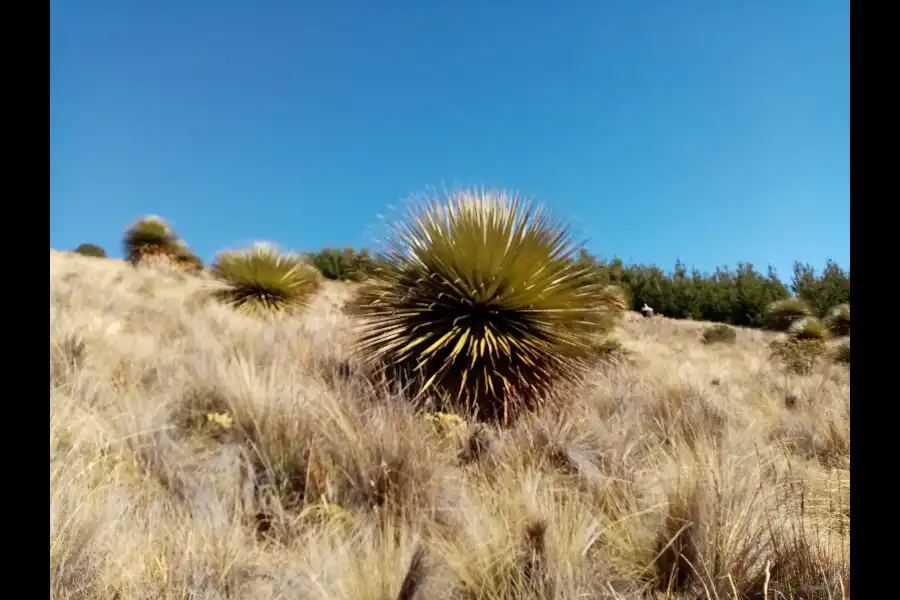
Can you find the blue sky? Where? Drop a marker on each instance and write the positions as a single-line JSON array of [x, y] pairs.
[[712, 131]]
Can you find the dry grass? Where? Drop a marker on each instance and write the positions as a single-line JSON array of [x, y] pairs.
[[198, 453]]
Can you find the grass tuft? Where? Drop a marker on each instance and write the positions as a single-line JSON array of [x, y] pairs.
[[197, 453]]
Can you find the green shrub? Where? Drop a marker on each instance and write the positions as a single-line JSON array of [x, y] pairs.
[[780, 315], [838, 320], [150, 236], [821, 292], [91, 250], [481, 303], [719, 333], [263, 279], [343, 265], [842, 353], [798, 355]]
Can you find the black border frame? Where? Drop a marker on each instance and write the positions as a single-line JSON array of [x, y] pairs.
[[874, 109], [872, 113]]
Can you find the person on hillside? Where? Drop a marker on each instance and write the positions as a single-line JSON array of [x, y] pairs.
[[646, 310]]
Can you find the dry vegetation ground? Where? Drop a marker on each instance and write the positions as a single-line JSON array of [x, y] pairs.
[[197, 453]]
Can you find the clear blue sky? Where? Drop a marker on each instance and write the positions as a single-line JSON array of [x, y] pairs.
[[707, 130]]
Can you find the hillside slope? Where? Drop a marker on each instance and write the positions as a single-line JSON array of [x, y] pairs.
[[198, 453]]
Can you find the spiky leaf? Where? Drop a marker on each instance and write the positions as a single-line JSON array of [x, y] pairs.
[[615, 297], [262, 278], [780, 315], [838, 320], [481, 301]]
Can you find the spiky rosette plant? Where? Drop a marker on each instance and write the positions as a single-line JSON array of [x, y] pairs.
[[264, 279], [149, 236], [838, 320], [781, 314], [481, 302], [809, 328]]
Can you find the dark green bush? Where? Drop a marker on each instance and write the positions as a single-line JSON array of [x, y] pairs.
[[91, 250], [719, 334], [798, 355], [343, 265], [738, 297], [821, 292]]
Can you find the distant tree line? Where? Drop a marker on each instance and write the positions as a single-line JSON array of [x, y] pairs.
[[736, 296]]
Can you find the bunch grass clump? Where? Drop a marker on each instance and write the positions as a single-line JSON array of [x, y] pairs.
[[264, 279], [611, 350], [150, 236], [720, 333], [838, 320], [842, 353], [480, 302], [781, 314]]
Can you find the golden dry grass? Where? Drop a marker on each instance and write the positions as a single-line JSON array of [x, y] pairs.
[[199, 453]]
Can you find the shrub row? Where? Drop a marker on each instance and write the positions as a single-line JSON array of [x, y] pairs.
[[741, 296]]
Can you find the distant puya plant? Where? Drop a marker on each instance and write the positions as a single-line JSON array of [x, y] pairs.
[[263, 279], [782, 314], [838, 320], [92, 250], [151, 238], [479, 301]]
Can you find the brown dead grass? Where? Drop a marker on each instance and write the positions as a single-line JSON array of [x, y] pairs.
[[198, 453]]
